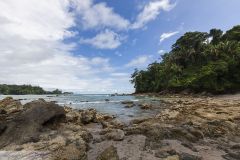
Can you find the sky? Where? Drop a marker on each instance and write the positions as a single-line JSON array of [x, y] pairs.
[[93, 46]]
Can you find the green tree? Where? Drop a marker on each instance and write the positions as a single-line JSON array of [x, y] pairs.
[[196, 63], [216, 35]]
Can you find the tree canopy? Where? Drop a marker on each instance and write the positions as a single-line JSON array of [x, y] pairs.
[[198, 61], [24, 89]]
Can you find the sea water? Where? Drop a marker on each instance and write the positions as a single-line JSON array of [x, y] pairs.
[[103, 103]]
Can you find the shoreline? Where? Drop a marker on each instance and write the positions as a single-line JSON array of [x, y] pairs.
[[179, 95], [188, 127]]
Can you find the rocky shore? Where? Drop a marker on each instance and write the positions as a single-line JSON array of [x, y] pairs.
[[188, 128]]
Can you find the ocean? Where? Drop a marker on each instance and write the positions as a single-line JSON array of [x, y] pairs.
[[103, 103]]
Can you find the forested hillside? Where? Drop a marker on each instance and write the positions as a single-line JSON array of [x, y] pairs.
[[198, 61], [24, 89]]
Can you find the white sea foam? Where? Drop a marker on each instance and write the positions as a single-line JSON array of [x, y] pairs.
[[94, 102]]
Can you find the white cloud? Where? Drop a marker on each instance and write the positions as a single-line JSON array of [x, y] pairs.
[[47, 20], [161, 51], [104, 40], [32, 49], [98, 15], [139, 62], [167, 35], [120, 74], [151, 11]]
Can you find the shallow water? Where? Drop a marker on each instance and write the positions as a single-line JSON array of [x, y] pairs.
[[98, 101]]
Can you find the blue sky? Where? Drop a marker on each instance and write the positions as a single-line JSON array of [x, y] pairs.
[[93, 46]]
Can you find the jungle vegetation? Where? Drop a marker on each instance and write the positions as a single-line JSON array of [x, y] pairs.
[[24, 89], [198, 62]]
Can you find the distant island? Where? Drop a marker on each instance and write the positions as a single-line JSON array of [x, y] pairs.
[[198, 62], [26, 89]]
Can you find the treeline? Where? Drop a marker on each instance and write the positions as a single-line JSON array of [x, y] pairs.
[[197, 62], [24, 89]]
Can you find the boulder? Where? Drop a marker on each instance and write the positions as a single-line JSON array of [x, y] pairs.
[[67, 109], [73, 116], [127, 102], [115, 123], [233, 153], [138, 120], [115, 134], [145, 106], [165, 152], [130, 105], [187, 156], [103, 117], [174, 157], [189, 145], [167, 114], [3, 127], [236, 146], [71, 152], [189, 134], [3, 111], [26, 125], [109, 154], [9, 105], [88, 116]]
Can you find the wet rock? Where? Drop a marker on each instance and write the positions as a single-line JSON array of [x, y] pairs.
[[219, 128], [165, 152], [115, 134], [3, 127], [109, 154], [129, 105], [10, 105], [115, 123], [146, 106], [56, 143], [189, 145], [196, 132], [88, 116], [155, 145], [3, 111], [128, 102], [187, 156], [232, 154], [186, 92], [73, 116], [71, 152], [97, 139], [167, 114], [230, 125], [174, 157], [190, 134], [235, 146], [214, 122], [160, 154], [38, 102], [67, 109], [25, 126], [138, 121], [87, 136], [103, 117]]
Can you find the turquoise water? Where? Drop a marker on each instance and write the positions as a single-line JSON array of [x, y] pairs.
[[98, 101]]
